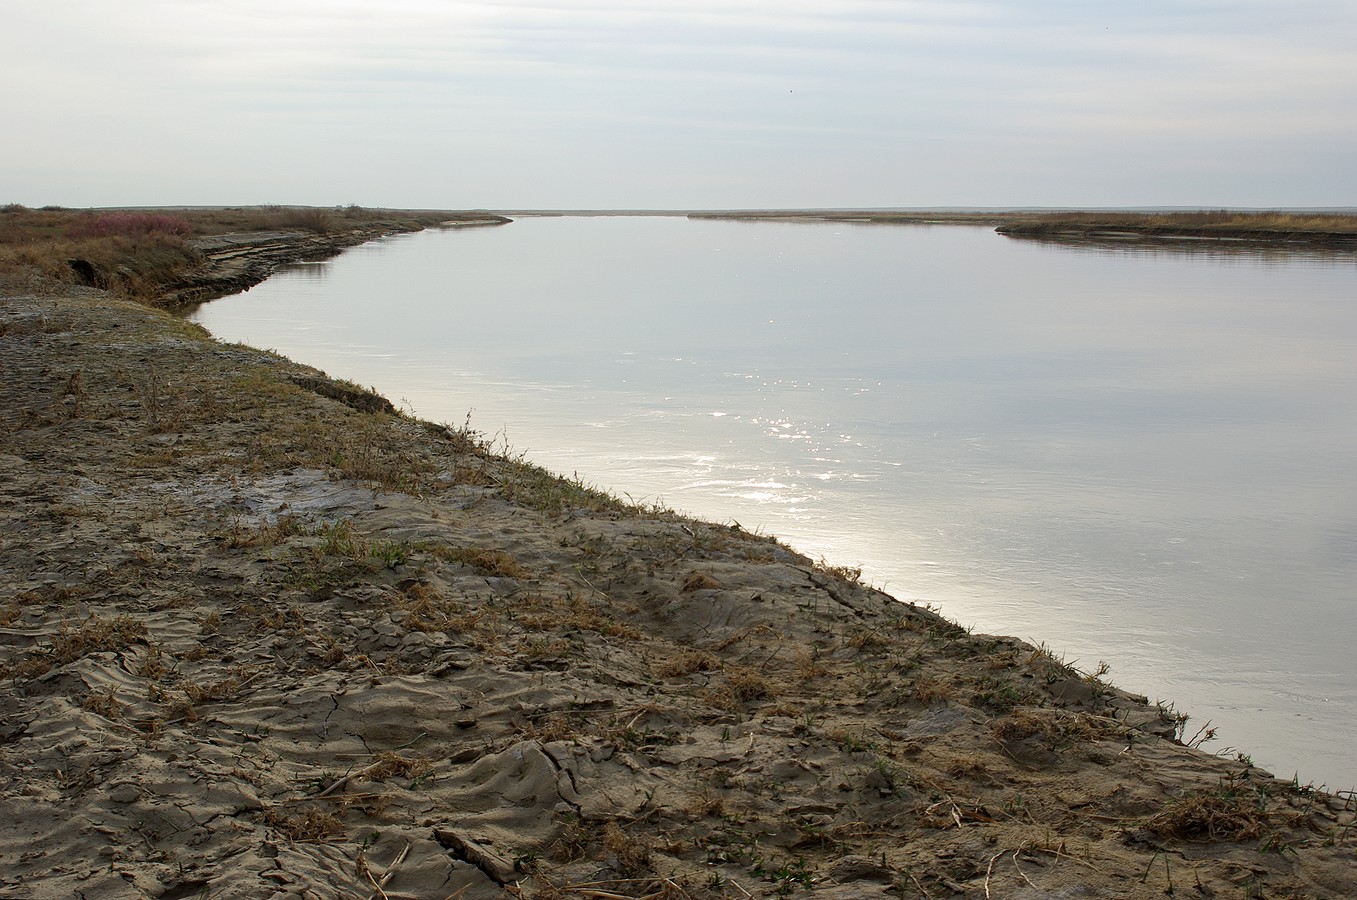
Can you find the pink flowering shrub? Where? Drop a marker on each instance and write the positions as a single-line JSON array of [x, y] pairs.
[[130, 224]]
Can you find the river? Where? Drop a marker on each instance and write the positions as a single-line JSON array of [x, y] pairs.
[[1139, 456]]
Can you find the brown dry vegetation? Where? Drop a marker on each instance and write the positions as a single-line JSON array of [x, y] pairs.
[[45, 242], [70, 247], [1231, 229], [1224, 220]]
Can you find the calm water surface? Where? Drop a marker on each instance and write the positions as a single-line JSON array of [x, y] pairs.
[[1144, 458]]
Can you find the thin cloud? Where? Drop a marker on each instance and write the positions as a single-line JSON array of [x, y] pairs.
[[874, 90]]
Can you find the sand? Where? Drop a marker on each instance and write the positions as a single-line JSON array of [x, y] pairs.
[[262, 637]]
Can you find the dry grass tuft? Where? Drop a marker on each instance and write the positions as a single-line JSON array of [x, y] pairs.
[[1058, 727], [106, 705], [95, 635], [226, 689], [495, 563], [686, 663], [542, 613], [535, 488], [574, 840], [965, 766], [312, 826], [631, 855], [870, 637], [810, 666], [388, 765], [699, 581], [555, 727], [265, 534], [740, 686], [846, 574], [423, 608], [1220, 815]]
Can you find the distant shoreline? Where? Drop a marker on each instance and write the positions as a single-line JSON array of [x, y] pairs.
[[1334, 229]]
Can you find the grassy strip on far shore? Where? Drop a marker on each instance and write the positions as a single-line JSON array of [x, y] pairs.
[[1337, 230], [1326, 229]]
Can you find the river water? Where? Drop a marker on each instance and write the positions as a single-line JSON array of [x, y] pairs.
[[1141, 457]]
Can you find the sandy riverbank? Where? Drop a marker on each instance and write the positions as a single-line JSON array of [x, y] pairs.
[[263, 637]]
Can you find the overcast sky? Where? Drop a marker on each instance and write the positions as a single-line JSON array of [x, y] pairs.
[[698, 104]]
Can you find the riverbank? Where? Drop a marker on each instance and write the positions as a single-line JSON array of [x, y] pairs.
[[179, 256], [263, 635], [1329, 232], [237, 261]]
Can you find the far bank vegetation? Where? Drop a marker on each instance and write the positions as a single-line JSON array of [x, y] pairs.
[[139, 251]]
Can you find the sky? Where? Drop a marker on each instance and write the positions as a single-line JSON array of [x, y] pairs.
[[702, 104]]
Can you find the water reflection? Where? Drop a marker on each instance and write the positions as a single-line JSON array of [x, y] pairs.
[[1214, 249], [317, 271], [1139, 456]]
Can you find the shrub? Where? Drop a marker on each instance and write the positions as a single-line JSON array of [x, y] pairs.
[[306, 218]]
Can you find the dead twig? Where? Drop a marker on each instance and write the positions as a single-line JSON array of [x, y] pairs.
[[1019, 868], [1061, 855], [989, 870], [375, 884], [380, 883]]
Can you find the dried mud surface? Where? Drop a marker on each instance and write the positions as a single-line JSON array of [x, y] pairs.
[[264, 639]]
